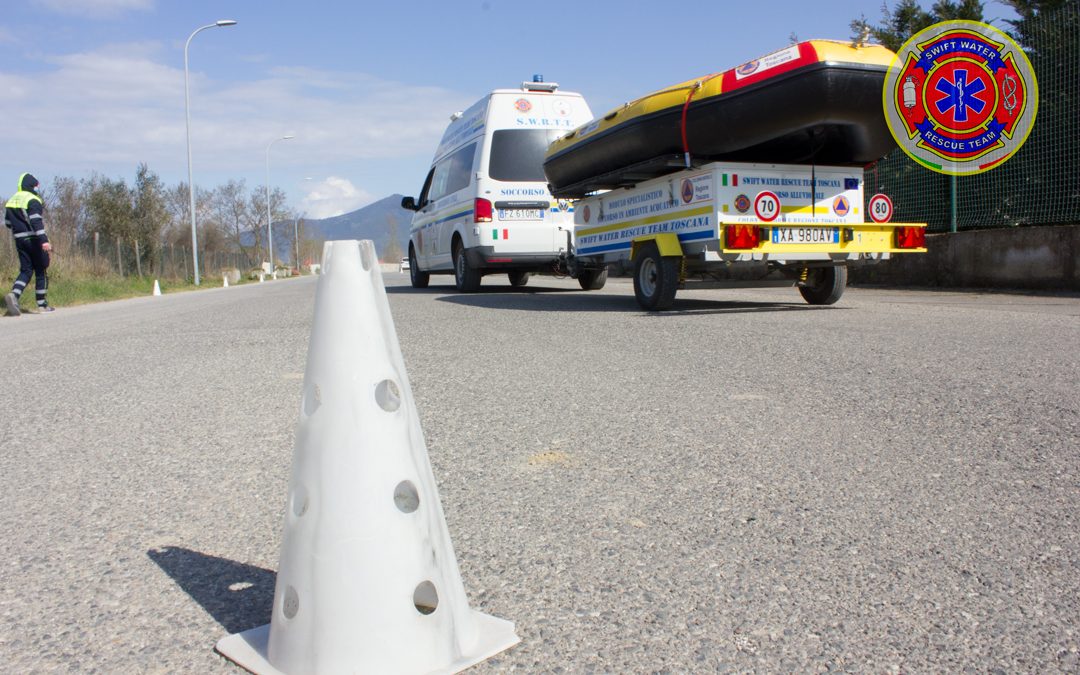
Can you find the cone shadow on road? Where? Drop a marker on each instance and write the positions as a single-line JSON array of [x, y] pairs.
[[236, 595]]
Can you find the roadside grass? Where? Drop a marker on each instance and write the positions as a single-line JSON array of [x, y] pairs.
[[70, 287]]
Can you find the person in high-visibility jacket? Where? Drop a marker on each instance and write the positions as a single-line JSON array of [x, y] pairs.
[[25, 218]]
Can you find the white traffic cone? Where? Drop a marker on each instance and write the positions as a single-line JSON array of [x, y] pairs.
[[157, 288], [367, 581], [225, 280], [261, 277]]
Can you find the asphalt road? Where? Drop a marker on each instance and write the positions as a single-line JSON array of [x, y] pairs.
[[746, 483]]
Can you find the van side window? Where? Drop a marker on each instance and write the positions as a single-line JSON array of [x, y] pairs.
[[452, 174], [425, 191]]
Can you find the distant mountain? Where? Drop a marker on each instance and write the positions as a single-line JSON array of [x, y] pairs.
[[375, 221]]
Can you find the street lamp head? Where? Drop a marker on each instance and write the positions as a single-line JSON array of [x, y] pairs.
[[225, 22]]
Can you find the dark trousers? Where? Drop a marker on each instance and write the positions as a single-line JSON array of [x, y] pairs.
[[33, 260]]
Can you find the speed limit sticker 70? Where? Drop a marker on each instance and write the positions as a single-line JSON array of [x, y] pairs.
[[880, 208], [766, 206]]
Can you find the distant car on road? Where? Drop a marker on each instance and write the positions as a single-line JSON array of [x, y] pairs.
[[403, 265]]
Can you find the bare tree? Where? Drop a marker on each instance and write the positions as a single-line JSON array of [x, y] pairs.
[[231, 206], [279, 216], [177, 203], [65, 217]]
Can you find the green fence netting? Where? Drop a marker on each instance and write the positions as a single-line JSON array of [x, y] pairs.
[[1040, 184]]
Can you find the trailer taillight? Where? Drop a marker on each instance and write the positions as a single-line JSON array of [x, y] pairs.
[[482, 211], [911, 237], [742, 236]]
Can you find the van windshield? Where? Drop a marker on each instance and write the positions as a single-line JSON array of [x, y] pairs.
[[518, 154]]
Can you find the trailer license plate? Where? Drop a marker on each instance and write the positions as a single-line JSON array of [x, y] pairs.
[[521, 214], [806, 235]]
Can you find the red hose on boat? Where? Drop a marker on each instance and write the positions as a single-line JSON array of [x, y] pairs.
[[686, 107]]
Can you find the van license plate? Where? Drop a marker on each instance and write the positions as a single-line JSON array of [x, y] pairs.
[[521, 214], [805, 235]]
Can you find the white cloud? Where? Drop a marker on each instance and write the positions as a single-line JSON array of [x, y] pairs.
[[110, 108], [95, 8], [333, 197]]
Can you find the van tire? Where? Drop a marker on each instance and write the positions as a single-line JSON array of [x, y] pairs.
[[419, 279], [824, 285], [592, 280], [518, 278], [656, 278], [466, 278]]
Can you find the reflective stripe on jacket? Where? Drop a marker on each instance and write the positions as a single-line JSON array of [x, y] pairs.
[[24, 216]]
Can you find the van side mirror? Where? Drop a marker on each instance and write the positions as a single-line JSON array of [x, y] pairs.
[[409, 203]]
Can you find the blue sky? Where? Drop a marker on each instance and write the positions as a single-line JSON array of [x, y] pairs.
[[366, 88]]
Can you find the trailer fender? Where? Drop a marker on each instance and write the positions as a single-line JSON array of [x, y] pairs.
[[667, 243]]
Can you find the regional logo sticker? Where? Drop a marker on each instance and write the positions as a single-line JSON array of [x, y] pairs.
[[841, 206], [961, 97], [687, 191]]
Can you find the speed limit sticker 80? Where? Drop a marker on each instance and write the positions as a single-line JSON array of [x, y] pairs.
[[766, 206], [881, 208]]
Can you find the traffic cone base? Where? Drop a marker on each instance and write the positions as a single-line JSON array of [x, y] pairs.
[[367, 579], [249, 649]]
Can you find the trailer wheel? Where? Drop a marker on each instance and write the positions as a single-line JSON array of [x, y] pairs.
[[466, 278], [656, 278], [592, 280], [825, 285], [518, 279], [419, 279]]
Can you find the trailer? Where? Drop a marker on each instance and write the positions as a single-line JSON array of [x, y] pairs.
[[736, 225]]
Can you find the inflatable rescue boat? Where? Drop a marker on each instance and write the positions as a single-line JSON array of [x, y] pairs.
[[813, 102]]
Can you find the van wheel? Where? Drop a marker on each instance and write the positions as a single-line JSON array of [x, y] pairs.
[[419, 279], [824, 285], [466, 278], [518, 279], [592, 280], [656, 278]]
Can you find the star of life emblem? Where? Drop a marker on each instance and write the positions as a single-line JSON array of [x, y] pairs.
[[961, 97]]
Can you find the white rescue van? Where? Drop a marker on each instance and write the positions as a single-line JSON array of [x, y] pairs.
[[485, 207]]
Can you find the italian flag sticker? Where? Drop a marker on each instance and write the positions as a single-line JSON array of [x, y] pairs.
[[731, 179], [505, 234]]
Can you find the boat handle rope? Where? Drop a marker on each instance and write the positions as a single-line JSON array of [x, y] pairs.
[[686, 107]]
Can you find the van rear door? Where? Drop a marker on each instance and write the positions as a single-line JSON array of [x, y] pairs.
[[525, 217]]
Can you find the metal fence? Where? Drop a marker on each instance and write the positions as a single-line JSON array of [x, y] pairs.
[[1040, 185]]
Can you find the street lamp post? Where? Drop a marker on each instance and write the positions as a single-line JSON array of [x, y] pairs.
[[269, 219], [296, 238], [224, 23]]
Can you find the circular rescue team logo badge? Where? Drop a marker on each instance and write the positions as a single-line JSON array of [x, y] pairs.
[[961, 97], [742, 203], [522, 105]]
